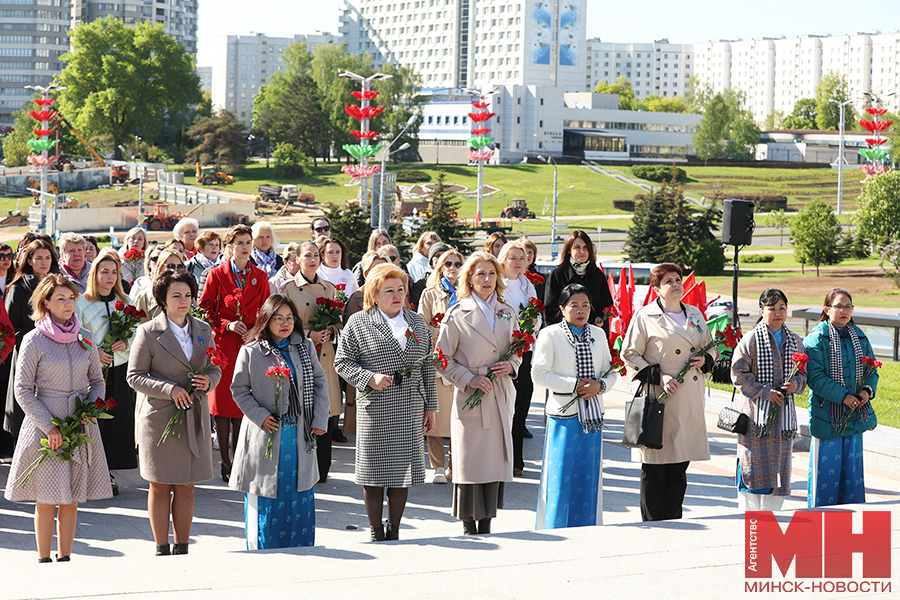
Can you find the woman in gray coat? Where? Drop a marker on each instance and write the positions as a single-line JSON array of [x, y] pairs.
[[165, 358], [275, 460], [397, 409]]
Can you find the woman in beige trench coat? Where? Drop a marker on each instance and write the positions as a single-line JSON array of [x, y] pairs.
[[474, 334], [667, 333], [303, 291]]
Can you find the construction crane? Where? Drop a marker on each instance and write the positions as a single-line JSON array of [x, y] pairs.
[[98, 160]]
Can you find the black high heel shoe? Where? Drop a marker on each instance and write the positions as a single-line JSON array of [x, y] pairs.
[[115, 486], [226, 473], [391, 533], [179, 548], [163, 550], [377, 534]]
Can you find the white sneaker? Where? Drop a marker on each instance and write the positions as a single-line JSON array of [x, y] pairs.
[[439, 476], [215, 441]]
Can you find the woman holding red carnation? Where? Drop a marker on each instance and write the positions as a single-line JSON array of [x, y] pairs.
[[233, 294], [519, 292], [475, 333], [760, 366], [57, 366], [104, 297], [843, 378], [572, 360], [278, 483], [304, 291], [434, 303]]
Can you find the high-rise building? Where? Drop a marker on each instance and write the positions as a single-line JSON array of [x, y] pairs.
[[33, 35], [469, 44], [205, 74], [178, 17], [242, 63], [660, 68]]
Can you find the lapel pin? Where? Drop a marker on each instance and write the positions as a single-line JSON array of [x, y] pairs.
[[253, 281]]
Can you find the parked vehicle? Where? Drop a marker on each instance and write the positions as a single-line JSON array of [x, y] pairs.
[[209, 175], [719, 308], [517, 210]]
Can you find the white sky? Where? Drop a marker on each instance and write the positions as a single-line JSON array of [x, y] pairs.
[[691, 22]]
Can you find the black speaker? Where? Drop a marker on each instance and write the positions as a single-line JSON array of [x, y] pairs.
[[737, 223]]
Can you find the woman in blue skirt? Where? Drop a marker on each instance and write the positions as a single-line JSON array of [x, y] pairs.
[[570, 359], [839, 405], [278, 480]]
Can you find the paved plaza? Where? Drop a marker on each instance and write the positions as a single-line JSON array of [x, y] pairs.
[[701, 556]]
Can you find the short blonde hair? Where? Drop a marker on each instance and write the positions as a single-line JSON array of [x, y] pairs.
[[70, 238], [290, 251], [509, 247], [464, 286], [182, 224], [258, 227], [161, 261], [428, 235], [133, 232], [434, 280], [367, 260], [45, 289], [376, 279], [92, 291]]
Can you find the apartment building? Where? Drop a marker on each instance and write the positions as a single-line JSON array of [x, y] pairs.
[[657, 68], [178, 17]]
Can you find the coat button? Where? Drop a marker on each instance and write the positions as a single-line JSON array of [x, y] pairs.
[[677, 350], [693, 349], [695, 378], [307, 303]]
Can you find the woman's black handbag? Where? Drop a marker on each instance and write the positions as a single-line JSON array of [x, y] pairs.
[[732, 420], [644, 417], [721, 372]]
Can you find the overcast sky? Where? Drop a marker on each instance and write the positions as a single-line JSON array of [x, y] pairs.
[[691, 22]]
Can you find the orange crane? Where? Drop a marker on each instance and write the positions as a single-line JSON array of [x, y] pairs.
[[98, 160]]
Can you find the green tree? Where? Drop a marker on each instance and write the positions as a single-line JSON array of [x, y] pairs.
[[833, 88], [443, 219], [298, 118], [697, 95], [709, 140], [622, 87], [290, 162], [220, 140], [350, 225], [803, 116], [743, 137], [668, 104], [647, 235], [15, 143], [878, 209], [727, 130], [815, 233], [780, 221], [120, 80], [773, 121]]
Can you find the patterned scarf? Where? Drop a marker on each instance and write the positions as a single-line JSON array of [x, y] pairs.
[[765, 373], [265, 260], [838, 412], [205, 262], [452, 290], [579, 267], [282, 350], [589, 414]]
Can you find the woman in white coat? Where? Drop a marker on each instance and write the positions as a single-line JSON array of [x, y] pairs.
[[668, 333], [571, 359], [475, 334]]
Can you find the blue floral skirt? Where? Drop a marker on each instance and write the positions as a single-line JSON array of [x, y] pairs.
[[571, 493], [836, 471], [288, 520]]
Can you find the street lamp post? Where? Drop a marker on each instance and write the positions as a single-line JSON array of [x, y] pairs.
[[841, 160], [382, 203], [48, 219]]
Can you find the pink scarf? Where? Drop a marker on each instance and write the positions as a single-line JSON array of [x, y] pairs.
[[66, 333]]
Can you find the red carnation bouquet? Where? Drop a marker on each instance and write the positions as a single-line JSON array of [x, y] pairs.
[[615, 364], [233, 300], [522, 342], [870, 366], [437, 357], [728, 337], [217, 359], [798, 365], [327, 316], [123, 322], [134, 258], [536, 279], [528, 315], [73, 434], [202, 312], [279, 374]]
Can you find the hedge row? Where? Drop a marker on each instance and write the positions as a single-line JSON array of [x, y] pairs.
[[658, 173]]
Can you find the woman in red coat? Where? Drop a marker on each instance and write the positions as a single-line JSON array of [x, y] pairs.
[[223, 306]]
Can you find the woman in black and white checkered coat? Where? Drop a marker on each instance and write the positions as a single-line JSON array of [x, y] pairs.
[[392, 420]]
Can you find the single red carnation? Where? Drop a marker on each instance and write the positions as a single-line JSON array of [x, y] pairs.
[[210, 351], [230, 302]]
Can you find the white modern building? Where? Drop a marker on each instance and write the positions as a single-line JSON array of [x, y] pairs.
[[205, 74], [33, 35], [242, 63], [573, 126], [660, 68], [178, 17], [469, 44], [777, 72], [821, 147]]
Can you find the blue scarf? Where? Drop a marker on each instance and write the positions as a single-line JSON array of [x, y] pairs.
[[282, 348], [449, 287]]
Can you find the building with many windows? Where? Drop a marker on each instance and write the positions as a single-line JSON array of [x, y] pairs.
[[660, 68], [33, 35], [242, 63], [178, 17], [469, 44]]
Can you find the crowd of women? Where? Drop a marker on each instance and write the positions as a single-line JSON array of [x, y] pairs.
[[269, 350]]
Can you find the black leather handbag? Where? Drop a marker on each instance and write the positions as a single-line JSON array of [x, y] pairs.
[[732, 420], [644, 416]]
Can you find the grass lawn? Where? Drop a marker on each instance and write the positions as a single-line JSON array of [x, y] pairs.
[[799, 185], [886, 405], [787, 261]]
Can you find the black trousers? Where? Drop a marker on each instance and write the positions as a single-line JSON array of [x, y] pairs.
[[662, 490], [323, 452], [524, 391]]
